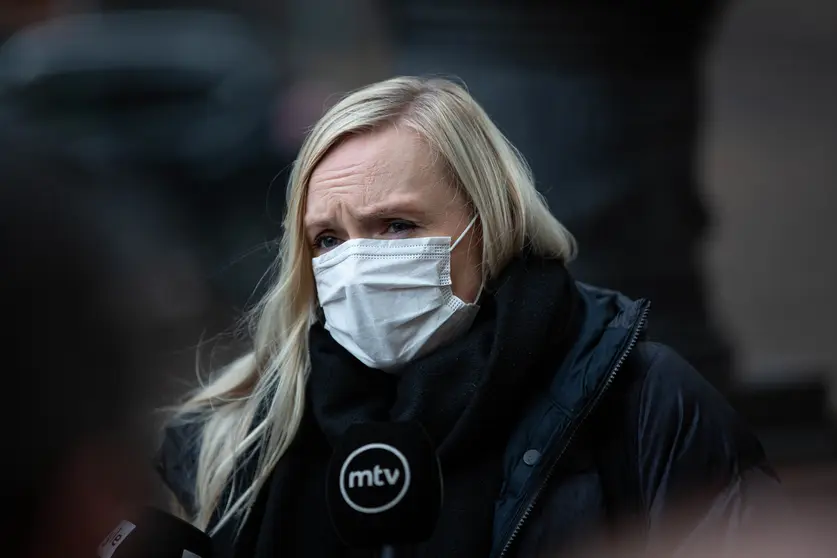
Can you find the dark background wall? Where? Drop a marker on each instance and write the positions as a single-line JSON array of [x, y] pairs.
[[771, 173]]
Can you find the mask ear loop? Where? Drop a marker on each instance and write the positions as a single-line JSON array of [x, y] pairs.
[[454, 245], [461, 236]]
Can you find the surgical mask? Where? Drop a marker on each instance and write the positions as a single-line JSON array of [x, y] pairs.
[[388, 302]]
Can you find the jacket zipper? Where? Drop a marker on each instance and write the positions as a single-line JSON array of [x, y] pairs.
[[611, 376]]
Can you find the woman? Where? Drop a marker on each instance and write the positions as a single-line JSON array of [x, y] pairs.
[[423, 278]]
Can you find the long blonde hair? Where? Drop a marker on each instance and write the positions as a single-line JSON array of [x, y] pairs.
[[256, 403]]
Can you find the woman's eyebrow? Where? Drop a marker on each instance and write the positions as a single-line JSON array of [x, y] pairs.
[[317, 224], [407, 206], [410, 207]]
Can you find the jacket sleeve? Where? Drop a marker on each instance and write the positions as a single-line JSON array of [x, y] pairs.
[[704, 478]]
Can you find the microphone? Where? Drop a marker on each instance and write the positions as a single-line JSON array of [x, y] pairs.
[[155, 534], [384, 487]]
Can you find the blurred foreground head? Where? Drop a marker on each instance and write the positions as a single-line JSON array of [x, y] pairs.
[[72, 397]]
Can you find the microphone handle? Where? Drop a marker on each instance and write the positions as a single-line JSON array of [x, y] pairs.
[[388, 551]]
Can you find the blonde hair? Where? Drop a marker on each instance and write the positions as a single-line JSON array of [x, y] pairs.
[[255, 405]]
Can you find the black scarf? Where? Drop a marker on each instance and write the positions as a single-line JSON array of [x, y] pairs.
[[468, 395]]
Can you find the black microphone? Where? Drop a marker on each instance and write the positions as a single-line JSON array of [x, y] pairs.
[[155, 534], [384, 487]]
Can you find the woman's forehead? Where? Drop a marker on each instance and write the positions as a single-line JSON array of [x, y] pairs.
[[370, 172], [388, 151]]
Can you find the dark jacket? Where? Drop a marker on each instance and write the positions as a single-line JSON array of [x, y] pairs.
[[627, 429]]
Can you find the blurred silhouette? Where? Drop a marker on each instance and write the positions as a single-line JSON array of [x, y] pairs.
[[802, 531], [605, 102], [181, 99], [76, 411]]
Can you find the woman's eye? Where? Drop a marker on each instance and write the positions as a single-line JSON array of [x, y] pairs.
[[326, 242], [399, 227]]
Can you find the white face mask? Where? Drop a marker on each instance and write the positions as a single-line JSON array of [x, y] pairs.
[[390, 301]]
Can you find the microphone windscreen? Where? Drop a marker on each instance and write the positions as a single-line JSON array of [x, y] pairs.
[[384, 485], [155, 534]]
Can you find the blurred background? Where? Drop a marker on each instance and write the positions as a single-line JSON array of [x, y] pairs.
[[717, 136]]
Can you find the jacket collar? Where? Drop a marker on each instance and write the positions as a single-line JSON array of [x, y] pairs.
[[611, 324]]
